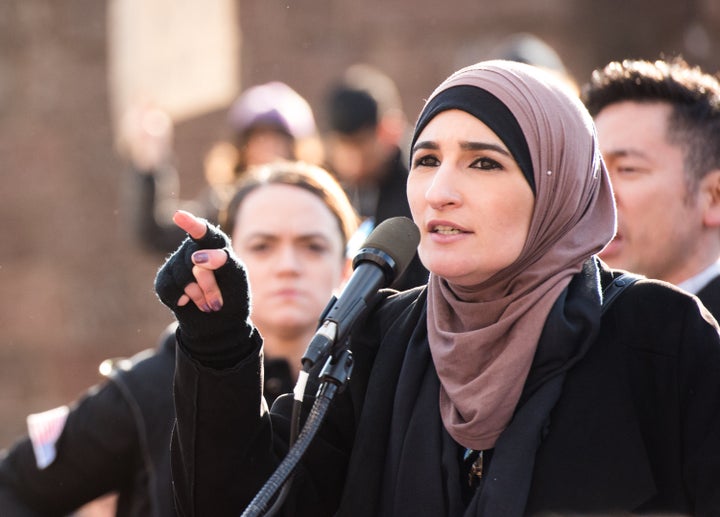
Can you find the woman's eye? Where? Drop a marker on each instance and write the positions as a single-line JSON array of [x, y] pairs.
[[486, 164], [425, 161], [258, 247], [317, 247]]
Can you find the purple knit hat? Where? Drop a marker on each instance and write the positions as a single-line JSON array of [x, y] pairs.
[[273, 104]]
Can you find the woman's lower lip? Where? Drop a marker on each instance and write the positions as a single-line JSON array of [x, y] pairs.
[[447, 237], [287, 293]]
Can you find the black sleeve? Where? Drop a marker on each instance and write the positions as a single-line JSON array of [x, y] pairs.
[[221, 446], [96, 453], [225, 445], [151, 209]]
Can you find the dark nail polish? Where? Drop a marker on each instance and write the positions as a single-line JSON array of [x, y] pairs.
[[200, 257], [216, 305]]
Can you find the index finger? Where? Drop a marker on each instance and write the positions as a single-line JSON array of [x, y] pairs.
[[194, 226]]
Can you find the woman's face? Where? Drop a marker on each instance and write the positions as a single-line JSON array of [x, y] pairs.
[[469, 198], [266, 145], [293, 249]]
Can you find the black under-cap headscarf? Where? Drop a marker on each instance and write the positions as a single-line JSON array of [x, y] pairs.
[[489, 109]]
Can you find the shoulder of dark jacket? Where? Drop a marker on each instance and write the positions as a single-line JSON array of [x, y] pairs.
[[165, 345], [654, 315]]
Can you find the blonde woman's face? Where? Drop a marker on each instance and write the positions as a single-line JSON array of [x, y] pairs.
[[292, 247], [469, 198]]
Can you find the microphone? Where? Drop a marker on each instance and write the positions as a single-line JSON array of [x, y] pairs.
[[383, 257]]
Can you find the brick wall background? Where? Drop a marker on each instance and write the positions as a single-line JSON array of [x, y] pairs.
[[75, 287]]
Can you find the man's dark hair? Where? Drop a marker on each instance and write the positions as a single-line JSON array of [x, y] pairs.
[[694, 123], [351, 110], [361, 98]]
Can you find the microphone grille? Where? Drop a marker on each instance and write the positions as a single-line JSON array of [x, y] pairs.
[[398, 237]]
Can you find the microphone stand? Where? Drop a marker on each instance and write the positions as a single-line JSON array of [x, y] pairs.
[[333, 377]]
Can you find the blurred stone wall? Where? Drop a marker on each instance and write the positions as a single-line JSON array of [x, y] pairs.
[[75, 286], [420, 42]]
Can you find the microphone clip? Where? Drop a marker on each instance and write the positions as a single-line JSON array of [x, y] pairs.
[[320, 345], [336, 373]]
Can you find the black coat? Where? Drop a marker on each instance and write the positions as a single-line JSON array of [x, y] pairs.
[[116, 439], [636, 428]]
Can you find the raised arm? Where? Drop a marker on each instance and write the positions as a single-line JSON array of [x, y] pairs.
[[222, 442], [206, 287]]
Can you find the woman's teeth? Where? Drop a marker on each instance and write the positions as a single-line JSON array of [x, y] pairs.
[[446, 230]]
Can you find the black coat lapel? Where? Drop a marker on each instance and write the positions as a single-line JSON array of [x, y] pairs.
[[371, 440]]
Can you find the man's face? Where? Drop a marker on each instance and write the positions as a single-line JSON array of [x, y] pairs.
[[356, 158], [659, 221]]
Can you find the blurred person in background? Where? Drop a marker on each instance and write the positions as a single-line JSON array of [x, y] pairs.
[[290, 223], [524, 47], [367, 128], [659, 130], [268, 122]]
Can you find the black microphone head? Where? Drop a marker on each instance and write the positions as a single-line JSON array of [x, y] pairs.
[[396, 239]]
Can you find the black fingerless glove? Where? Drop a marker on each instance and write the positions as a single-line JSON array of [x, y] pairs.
[[216, 339]]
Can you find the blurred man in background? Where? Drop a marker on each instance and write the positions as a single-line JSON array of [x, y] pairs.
[[367, 126]]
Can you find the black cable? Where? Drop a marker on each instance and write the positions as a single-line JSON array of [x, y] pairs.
[[333, 376], [294, 429], [287, 466]]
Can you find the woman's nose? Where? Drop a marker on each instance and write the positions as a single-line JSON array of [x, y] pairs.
[[443, 189], [288, 259]]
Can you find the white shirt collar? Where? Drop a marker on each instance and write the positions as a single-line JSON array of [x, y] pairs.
[[695, 284]]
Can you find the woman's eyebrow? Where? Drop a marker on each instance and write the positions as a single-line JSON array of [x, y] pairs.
[[467, 146], [483, 146], [425, 144], [309, 235]]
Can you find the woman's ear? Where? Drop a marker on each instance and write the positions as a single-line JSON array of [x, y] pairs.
[[710, 191]]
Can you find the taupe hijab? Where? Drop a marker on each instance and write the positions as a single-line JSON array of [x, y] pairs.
[[483, 337]]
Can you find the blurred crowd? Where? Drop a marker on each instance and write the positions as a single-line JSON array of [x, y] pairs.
[[298, 201]]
